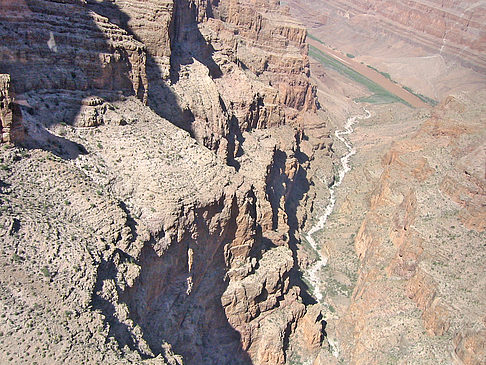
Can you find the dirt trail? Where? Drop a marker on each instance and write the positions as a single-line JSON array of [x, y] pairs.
[[371, 74]]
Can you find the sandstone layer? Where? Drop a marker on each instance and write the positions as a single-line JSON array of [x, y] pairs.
[[10, 115], [453, 28], [433, 47], [149, 209], [422, 244]]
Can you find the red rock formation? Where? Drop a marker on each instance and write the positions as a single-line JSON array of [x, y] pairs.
[[150, 22], [414, 255], [271, 44], [237, 67], [197, 266], [470, 347]]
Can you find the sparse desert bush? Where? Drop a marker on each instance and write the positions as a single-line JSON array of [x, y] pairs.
[[45, 272]]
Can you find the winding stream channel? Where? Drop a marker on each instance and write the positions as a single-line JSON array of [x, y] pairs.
[[312, 274]]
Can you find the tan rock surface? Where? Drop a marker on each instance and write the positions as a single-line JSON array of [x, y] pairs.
[[11, 129], [47, 34], [152, 211], [456, 28], [159, 233], [413, 300], [433, 47]]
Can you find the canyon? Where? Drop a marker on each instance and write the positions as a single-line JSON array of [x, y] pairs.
[[454, 28], [436, 47], [152, 165], [181, 183]]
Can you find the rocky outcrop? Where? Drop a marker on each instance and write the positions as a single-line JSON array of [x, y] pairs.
[[11, 129], [169, 232], [271, 44], [150, 22], [243, 80], [251, 303], [48, 49], [415, 261], [469, 347]]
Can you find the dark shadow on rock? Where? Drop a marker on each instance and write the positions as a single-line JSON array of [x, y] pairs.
[[161, 98], [278, 186], [4, 187], [299, 189], [132, 224], [188, 41], [54, 66], [117, 329], [181, 305], [235, 142], [59, 146], [324, 325]]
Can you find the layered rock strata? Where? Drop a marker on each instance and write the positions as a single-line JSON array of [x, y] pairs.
[[455, 29], [49, 49], [165, 231], [249, 66], [10, 116]]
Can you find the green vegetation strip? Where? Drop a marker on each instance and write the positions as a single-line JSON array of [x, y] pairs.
[[380, 95], [424, 98], [386, 74], [315, 38]]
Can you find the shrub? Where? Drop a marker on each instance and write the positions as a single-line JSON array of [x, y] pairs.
[[45, 272]]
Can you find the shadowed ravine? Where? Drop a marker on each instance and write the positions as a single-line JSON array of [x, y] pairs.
[[312, 274]]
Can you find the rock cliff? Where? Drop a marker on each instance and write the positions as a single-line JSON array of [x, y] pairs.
[[148, 213], [10, 115], [48, 49]]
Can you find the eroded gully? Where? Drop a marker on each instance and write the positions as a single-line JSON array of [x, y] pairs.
[[313, 273]]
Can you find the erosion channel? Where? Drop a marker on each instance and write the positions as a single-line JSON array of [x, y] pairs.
[[312, 274]]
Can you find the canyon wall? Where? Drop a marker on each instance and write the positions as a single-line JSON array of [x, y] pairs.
[[455, 29], [149, 210], [49, 50], [10, 116], [244, 66]]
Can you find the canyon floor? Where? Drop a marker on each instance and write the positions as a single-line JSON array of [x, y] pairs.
[[422, 45], [409, 217], [158, 182]]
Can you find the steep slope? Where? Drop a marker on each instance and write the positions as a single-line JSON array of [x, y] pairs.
[[423, 242], [433, 47], [453, 28], [149, 205]]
